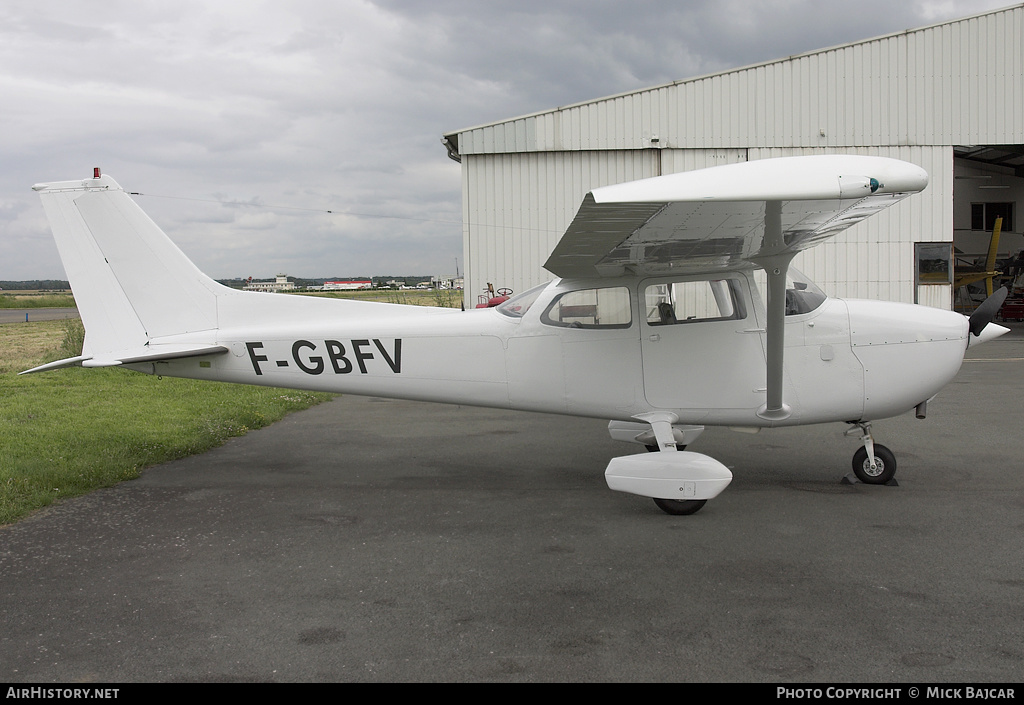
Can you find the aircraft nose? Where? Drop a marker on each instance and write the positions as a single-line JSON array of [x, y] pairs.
[[908, 353]]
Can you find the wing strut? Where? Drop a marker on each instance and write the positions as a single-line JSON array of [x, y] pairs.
[[775, 260]]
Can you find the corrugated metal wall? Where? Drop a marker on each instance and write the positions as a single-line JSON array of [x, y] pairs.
[[515, 207], [910, 95]]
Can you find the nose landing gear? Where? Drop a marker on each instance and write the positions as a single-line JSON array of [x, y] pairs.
[[873, 463]]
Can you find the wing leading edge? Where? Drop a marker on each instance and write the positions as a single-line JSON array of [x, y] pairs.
[[727, 217]]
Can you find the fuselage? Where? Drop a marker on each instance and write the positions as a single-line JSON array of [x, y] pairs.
[[692, 346]]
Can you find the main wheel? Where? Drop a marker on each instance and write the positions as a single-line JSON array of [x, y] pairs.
[[885, 465], [680, 507]]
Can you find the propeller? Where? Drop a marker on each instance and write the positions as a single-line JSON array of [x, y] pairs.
[[984, 314]]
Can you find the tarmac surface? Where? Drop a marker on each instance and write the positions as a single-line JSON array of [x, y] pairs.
[[374, 540], [17, 315]]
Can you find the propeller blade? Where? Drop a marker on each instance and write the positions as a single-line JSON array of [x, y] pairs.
[[984, 314]]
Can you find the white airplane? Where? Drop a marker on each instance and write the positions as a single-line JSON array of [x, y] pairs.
[[655, 321]]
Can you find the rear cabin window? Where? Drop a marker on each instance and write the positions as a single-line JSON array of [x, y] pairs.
[[590, 308], [670, 303]]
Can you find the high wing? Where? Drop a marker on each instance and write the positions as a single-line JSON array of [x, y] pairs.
[[753, 214], [721, 218]]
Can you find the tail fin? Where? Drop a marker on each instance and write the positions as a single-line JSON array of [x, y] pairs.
[[131, 283]]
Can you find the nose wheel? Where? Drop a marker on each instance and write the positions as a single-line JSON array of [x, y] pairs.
[[877, 473], [873, 463]]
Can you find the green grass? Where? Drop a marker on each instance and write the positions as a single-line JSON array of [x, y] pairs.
[[23, 300], [67, 432], [444, 298]]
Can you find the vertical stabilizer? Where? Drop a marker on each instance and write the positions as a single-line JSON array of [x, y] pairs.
[[130, 282]]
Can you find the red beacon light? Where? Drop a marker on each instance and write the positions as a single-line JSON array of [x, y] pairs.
[[96, 172]]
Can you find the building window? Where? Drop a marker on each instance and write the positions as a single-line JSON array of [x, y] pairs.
[[934, 262], [983, 216]]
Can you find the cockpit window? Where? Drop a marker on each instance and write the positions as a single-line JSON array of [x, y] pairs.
[[802, 295], [518, 305]]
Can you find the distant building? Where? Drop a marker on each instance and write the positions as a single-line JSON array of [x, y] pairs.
[[446, 282], [280, 283], [352, 285]]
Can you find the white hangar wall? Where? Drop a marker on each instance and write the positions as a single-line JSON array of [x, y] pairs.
[[516, 206], [911, 95]]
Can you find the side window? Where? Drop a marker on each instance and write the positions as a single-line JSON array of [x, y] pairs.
[[693, 302], [590, 308]]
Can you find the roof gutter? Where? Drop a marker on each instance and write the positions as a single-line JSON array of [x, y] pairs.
[[451, 143]]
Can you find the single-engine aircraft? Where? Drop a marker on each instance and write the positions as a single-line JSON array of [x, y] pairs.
[[655, 320]]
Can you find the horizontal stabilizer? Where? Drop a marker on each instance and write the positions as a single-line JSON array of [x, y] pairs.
[[58, 364], [149, 353]]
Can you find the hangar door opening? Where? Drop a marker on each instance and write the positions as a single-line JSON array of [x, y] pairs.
[[988, 223]]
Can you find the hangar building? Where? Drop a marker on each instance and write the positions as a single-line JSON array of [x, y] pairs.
[[948, 97]]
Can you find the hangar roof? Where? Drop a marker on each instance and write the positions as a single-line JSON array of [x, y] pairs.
[[955, 82]]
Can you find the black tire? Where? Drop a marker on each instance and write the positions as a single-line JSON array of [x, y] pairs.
[[655, 449], [680, 507], [884, 460]]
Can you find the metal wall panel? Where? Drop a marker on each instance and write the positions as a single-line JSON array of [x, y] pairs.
[[516, 207]]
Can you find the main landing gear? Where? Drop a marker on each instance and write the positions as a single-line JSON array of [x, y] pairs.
[[680, 507], [677, 507], [873, 463], [680, 482]]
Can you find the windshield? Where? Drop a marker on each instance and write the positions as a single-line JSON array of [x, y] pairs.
[[802, 295], [518, 305]]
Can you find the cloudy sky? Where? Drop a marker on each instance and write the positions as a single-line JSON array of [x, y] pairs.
[[297, 107]]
